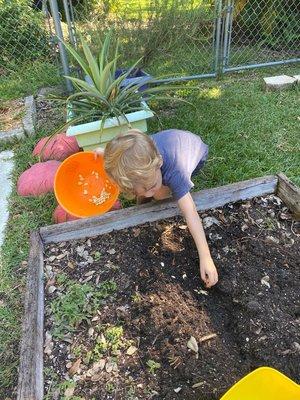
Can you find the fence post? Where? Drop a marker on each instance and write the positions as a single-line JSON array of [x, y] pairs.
[[227, 34], [231, 10], [217, 36], [59, 34], [71, 28]]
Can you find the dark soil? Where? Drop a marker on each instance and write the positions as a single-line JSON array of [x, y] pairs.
[[50, 114], [160, 301]]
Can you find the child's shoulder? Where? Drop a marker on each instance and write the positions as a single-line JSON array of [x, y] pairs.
[[171, 134], [175, 138]]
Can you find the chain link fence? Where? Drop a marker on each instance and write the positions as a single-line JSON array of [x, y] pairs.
[[26, 34], [258, 33], [177, 38], [173, 37]]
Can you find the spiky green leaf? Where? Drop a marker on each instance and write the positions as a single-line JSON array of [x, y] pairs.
[[95, 73]]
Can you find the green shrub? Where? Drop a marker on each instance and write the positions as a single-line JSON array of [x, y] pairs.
[[271, 22], [22, 33], [150, 29]]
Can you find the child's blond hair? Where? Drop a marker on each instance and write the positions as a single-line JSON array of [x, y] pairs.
[[131, 159]]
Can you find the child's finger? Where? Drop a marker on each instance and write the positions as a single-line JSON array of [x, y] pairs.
[[208, 283], [203, 275], [98, 152], [213, 279]]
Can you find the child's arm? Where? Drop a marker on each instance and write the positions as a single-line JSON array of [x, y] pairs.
[[208, 270]]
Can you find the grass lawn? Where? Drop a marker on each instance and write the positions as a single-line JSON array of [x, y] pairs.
[[250, 133], [28, 79]]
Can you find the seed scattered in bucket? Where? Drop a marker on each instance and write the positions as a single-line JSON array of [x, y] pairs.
[[85, 184], [85, 192], [101, 199], [79, 183]]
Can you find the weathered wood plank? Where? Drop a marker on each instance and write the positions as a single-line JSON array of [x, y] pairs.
[[116, 220], [31, 385], [289, 194]]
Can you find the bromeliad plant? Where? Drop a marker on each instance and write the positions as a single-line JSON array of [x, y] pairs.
[[104, 96]]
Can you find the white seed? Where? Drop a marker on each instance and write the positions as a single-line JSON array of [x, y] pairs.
[[101, 199]]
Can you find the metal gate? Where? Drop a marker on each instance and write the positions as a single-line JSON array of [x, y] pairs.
[[190, 39], [260, 33]]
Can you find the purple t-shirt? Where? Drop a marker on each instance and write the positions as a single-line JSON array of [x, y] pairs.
[[183, 152]]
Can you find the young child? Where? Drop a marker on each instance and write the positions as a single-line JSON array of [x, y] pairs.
[[159, 166]]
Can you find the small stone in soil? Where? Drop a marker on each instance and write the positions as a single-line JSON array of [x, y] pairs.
[[196, 385], [271, 240], [265, 281], [51, 289], [209, 221], [296, 347], [253, 306], [131, 350], [177, 390], [192, 344]]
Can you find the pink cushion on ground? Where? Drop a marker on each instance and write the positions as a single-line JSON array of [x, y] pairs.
[[61, 215], [116, 206], [59, 147], [38, 179]]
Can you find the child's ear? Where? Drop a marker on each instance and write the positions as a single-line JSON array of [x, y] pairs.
[[160, 162]]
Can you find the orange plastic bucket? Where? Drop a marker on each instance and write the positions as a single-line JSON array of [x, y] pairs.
[[82, 187]]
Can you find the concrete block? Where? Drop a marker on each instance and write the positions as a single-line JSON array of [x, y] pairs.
[[26, 126], [12, 134], [280, 82], [44, 92], [30, 116], [6, 168], [298, 78]]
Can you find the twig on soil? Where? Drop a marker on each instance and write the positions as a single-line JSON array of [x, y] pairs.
[[175, 361], [207, 337], [252, 220], [15, 287], [242, 239], [292, 229], [155, 339]]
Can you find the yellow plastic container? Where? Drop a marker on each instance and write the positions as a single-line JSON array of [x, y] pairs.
[[264, 384]]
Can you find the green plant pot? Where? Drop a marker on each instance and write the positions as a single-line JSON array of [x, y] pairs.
[[89, 135]]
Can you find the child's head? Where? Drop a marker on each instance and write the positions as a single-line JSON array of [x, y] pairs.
[[133, 162]]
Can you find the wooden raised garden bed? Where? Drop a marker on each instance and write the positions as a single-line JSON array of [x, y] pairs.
[[138, 269]]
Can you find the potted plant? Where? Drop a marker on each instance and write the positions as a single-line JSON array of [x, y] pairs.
[[136, 76], [102, 108]]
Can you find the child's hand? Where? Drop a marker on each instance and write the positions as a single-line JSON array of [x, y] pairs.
[[98, 152], [208, 271]]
